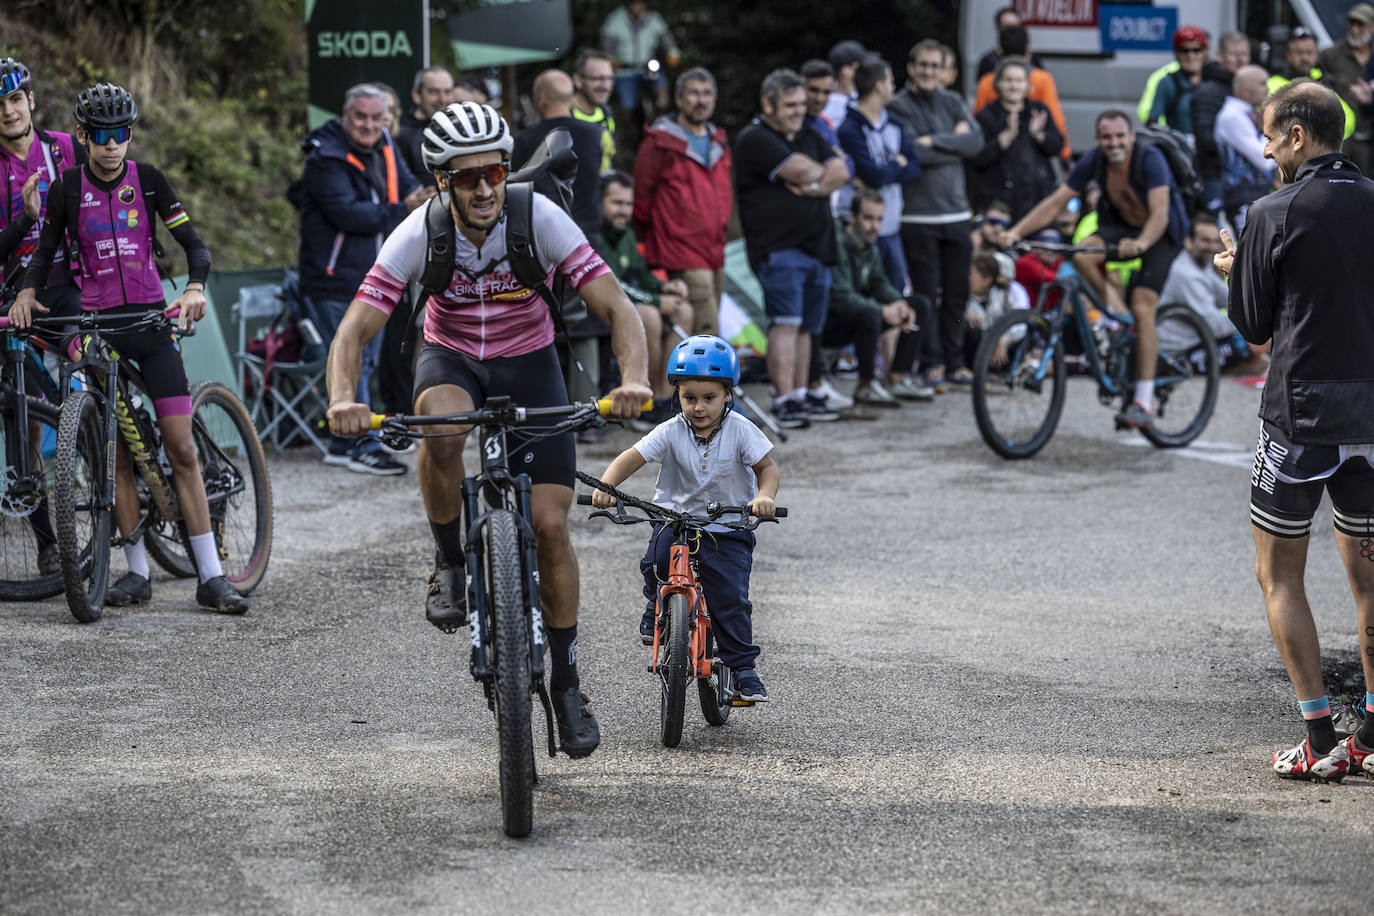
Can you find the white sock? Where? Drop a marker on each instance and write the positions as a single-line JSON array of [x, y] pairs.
[[137, 558], [1145, 393], [207, 556]]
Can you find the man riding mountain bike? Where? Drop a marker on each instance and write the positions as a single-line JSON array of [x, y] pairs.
[[487, 335]]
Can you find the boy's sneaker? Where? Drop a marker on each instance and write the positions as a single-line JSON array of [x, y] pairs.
[[375, 461], [749, 687], [818, 411], [646, 626], [1133, 416], [1361, 758], [337, 459], [832, 397], [909, 389], [1302, 762], [790, 415]]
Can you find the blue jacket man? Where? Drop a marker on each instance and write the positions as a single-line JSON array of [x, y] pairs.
[[356, 189]]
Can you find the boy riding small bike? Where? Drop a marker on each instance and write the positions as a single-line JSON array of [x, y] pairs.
[[707, 453]]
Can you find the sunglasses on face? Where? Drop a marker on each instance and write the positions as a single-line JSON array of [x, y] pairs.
[[1192, 50], [468, 179], [995, 221], [102, 135]]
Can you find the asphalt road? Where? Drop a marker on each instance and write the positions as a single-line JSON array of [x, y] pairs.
[[1034, 685]]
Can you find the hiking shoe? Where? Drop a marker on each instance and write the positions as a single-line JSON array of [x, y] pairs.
[[748, 686], [578, 733], [218, 595], [909, 389], [446, 602], [376, 461], [790, 415], [833, 399], [1134, 417], [817, 411], [1302, 762], [1360, 758], [875, 395], [131, 589], [646, 626], [49, 561]]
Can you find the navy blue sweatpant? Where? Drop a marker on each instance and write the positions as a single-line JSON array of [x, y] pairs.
[[727, 557]]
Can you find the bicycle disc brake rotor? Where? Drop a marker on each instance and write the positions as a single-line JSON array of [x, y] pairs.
[[22, 495]]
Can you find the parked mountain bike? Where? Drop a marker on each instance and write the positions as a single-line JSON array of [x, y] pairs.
[[1020, 375], [683, 645], [503, 578], [112, 407]]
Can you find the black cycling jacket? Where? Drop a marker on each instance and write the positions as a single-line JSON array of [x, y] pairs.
[[1301, 275]]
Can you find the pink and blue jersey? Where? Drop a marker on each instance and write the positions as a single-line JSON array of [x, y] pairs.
[[49, 154], [114, 232], [486, 312]]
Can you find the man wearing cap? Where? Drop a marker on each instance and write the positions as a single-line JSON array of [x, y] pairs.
[[1301, 63], [844, 60], [1169, 90], [1344, 63]]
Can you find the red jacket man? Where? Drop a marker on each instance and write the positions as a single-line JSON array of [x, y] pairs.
[[683, 197]]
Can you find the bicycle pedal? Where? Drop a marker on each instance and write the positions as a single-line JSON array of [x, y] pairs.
[[738, 702]]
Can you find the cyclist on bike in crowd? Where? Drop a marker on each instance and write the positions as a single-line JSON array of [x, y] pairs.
[[1298, 278], [487, 335], [108, 214], [1142, 214], [708, 452]]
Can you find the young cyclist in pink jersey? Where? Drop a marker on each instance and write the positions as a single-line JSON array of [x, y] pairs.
[[107, 215]]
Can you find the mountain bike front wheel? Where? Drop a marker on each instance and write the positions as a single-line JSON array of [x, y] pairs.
[[509, 643], [83, 519], [1018, 384], [675, 651], [1187, 377]]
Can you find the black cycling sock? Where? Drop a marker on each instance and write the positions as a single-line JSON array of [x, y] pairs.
[[563, 657], [1321, 734], [449, 539]]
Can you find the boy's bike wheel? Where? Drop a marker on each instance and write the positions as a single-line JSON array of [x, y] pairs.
[[83, 522], [1187, 376], [716, 691], [26, 524], [1017, 402], [510, 645], [675, 651]]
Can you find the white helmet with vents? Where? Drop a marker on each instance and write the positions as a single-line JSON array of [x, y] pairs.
[[463, 128]]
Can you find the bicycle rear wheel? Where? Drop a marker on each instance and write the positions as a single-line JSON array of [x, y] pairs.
[[1018, 398], [510, 644], [26, 525], [715, 691], [83, 520], [675, 649], [1187, 377]]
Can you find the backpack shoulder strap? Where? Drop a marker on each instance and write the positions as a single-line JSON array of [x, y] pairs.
[[520, 248], [439, 241]]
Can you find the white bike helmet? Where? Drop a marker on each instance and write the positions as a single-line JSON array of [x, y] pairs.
[[463, 128]]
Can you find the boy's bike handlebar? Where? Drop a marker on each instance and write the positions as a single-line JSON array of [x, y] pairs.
[[714, 510]]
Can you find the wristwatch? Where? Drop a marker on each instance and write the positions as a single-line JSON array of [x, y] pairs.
[[814, 188]]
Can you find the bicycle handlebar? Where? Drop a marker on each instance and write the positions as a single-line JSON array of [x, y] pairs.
[[95, 319], [1026, 245], [501, 415], [713, 510]]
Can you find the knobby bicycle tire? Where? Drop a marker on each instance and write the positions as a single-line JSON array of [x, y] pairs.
[[83, 521], [25, 508], [1017, 413], [675, 658], [1182, 411], [510, 640], [715, 691]]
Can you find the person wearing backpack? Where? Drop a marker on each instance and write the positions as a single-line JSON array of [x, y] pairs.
[[1141, 212], [489, 333]]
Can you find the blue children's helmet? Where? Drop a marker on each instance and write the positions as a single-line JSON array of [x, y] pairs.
[[704, 356]]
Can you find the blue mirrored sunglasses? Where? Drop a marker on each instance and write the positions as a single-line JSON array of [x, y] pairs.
[[10, 82], [102, 135]]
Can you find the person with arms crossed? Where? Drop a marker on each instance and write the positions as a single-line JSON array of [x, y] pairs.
[[1297, 277], [486, 335]]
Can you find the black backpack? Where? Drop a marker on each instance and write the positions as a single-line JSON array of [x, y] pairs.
[[550, 172], [1179, 153]]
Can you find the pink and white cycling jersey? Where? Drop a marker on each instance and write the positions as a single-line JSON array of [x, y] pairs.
[[485, 312]]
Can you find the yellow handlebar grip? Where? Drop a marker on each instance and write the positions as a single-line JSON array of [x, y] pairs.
[[603, 406], [377, 420]]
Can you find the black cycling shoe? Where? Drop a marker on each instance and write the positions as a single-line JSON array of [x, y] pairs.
[[446, 605], [49, 562], [578, 733], [131, 589], [218, 595]]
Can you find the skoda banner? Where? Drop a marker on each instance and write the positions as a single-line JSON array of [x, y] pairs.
[[500, 32], [360, 41]]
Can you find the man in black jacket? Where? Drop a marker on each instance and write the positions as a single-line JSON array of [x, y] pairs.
[[1233, 52], [1301, 276]]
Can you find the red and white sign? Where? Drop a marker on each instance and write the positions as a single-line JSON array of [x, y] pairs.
[[1057, 13]]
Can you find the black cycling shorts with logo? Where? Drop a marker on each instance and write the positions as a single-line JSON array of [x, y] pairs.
[[1287, 480], [1154, 263], [531, 380]]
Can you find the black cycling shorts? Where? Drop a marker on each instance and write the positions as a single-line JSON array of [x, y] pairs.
[[157, 355], [1154, 263], [531, 380], [1287, 480]]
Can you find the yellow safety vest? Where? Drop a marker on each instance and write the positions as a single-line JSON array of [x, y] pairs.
[[1276, 82], [603, 117]]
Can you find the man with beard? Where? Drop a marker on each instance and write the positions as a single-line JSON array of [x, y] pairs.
[[1141, 213], [1345, 63], [487, 335], [593, 77], [683, 196], [1300, 61]]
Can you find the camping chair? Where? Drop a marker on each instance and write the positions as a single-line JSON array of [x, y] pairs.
[[284, 393]]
